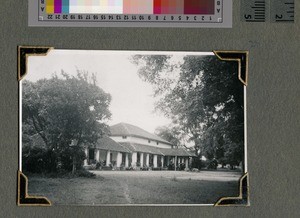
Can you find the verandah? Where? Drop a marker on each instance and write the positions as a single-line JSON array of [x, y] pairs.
[[134, 160]]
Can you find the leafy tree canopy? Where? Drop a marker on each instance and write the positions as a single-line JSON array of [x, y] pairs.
[[204, 97], [64, 110], [171, 134]]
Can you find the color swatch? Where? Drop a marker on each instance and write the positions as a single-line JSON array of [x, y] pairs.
[[57, 6], [198, 7], [95, 6], [130, 7], [50, 6], [168, 6], [65, 6], [138, 6]]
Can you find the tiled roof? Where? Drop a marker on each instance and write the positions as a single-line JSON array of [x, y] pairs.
[[104, 143], [177, 152], [107, 143], [125, 129], [135, 147]]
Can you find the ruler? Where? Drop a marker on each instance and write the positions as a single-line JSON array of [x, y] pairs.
[[253, 10], [282, 11], [265, 10]]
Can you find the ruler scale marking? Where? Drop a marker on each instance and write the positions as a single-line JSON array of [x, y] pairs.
[[253, 11], [282, 11], [270, 10]]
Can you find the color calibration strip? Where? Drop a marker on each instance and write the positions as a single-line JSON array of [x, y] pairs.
[[130, 6], [127, 13]]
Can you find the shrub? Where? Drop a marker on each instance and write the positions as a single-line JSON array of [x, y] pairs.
[[181, 166], [113, 163], [213, 164], [67, 155], [171, 166], [197, 163], [40, 160], [53, 175], [93, 166], [98, 165], [33, 159], [144, 168]]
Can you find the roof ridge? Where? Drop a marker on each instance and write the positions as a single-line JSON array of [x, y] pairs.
[[124, 125], [131, 129]]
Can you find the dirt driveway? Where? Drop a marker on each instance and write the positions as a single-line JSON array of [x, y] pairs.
[[139, 187]]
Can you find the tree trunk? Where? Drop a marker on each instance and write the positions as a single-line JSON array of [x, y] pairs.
[[74, 165]]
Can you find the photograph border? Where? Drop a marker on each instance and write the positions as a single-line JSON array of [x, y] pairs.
[[242, 57]]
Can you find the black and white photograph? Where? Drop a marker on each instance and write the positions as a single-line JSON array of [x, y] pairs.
[[132, 127]]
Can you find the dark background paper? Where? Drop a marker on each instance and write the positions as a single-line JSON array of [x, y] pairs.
[[272, 98]]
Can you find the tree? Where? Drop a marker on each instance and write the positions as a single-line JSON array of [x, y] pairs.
[[62, 110], [171, 134], [205, 98]]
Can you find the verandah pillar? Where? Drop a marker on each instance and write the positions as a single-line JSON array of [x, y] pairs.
[[119, 159], [107, 158], [147, 160], [134, 159], [142, 159], [126, 160], [98, 155], [86, 150], [162, 161], [155, 160], [187, 163]]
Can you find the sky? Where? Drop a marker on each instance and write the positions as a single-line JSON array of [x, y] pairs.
[[132, 99]]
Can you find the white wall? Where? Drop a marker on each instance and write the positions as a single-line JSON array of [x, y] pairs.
[[120, 139], [141, 141]]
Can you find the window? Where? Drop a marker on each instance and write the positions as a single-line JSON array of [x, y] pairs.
[[124, 137]]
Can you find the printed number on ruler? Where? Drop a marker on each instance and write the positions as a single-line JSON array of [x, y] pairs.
[[253, 10], [282, 10]]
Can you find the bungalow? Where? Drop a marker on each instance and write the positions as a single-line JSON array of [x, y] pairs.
[[130, 146]]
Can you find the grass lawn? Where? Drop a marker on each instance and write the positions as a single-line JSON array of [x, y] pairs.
[[138, 187]]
